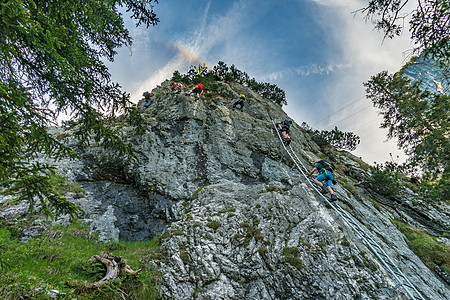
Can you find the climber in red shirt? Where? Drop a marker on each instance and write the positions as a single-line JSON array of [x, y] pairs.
[[198, 90]]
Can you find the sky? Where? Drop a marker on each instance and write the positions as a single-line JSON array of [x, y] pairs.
[[318, 51]]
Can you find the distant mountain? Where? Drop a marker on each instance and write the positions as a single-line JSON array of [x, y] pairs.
[[428, 73]]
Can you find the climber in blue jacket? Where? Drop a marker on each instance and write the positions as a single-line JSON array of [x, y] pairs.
[[240, 102], [148, 97], [325, 177], [285, 130]]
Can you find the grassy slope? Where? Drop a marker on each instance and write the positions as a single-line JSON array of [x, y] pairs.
[[48, 265], [427, 247]]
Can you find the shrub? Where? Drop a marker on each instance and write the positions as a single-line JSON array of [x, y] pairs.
[[384, 182], [336, 138], [213, 224], [222, 72], [262, 250]]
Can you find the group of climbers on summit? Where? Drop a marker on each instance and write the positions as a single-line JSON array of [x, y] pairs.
[[177, 88]]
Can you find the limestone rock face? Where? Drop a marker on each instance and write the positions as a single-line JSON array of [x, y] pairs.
[[241, 223], [428, 74]]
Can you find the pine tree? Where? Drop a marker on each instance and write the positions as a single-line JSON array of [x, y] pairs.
[[51, 56]]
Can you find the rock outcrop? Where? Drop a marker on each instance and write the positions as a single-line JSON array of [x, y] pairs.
[[241, 223]]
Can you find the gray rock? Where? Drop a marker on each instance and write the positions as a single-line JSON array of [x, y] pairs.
[[250, 226]]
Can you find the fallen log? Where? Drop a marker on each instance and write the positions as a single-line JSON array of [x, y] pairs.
[[115, 267]]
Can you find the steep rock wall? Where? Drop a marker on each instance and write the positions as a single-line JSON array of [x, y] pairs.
[[243, 224]]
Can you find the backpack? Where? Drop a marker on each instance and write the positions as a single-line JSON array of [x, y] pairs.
[[286, 123], [327, 165]]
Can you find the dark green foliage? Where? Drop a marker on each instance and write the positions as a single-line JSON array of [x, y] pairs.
[[252, 231], [351, 188], [384, 182], [345, 242], [213, 224], [436, 189], [135, 119], [367, 262], [221, 72], [262, 250], [51, 61], [421, 123], [336, 138], [272, 188], [419, 119], [198, 190], [35, 182]]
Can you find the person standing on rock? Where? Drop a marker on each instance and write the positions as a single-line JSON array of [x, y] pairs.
[[325, 175], [198, 90], [240, 102], [285, 130], [148, 97], [177, 88]]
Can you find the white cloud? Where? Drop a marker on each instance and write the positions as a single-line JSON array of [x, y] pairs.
[[158, 76], [359, 54], [307, 70], [210, 32]]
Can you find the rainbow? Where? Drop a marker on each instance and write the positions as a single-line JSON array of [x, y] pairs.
[[190, 56]]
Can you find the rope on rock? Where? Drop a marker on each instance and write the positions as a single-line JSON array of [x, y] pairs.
[[399, 276]]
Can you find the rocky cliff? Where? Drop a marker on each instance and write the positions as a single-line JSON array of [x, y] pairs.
[[238, 221], [428, 74]]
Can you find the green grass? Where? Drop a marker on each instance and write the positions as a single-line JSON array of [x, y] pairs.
[[413, 187], [251, 231], [375, 204], [272, 188], [351, 188], [345, 242], [301, 241], [213, 224], [63, 185], [292, 257], [59, 258], [231, 209], [198, 190], [425, 246], [262, 250]]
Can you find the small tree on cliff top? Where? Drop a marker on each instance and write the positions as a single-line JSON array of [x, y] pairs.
[[221, 72]]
